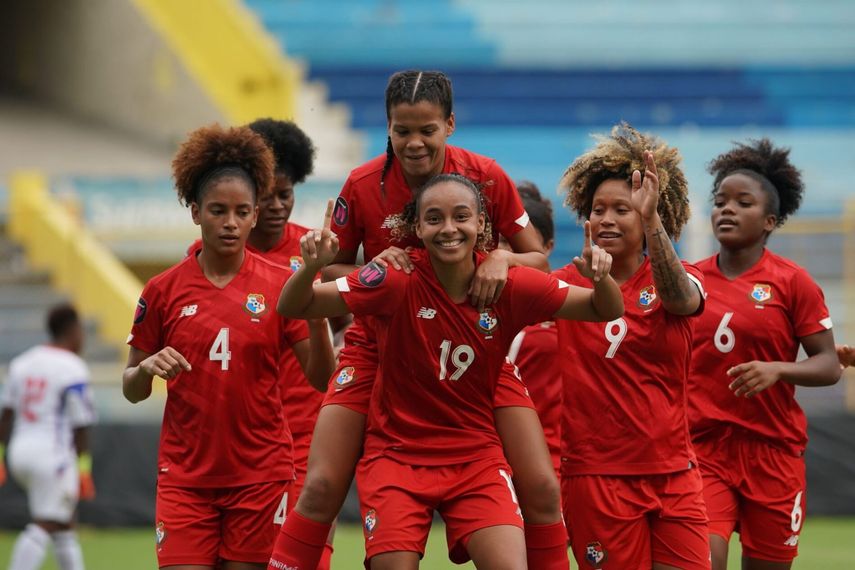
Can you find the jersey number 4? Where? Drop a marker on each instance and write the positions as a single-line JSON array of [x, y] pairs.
[[220, 349], [460, 363]]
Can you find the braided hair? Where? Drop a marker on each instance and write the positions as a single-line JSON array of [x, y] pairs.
[[616, 157], [404, 224], [213, 153], [768, 165], [413, 86]]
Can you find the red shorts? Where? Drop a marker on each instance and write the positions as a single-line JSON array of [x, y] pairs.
[[397, 502], [202, 526], [630, 522], [756, 489]]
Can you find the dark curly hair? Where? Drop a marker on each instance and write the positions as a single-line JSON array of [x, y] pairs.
[[539, 209], [404, 224], [615, 157], [768, 165], [212, 153], [292, 148]]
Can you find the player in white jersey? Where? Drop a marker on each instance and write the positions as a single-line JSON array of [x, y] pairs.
[[46, 411]]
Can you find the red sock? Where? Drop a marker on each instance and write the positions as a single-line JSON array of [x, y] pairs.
[[326, 557], [546, 546], [299, 545]]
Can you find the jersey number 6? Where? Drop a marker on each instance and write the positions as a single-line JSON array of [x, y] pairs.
[[457, 358]]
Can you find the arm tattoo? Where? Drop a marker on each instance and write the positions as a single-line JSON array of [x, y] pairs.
[[669, 275]]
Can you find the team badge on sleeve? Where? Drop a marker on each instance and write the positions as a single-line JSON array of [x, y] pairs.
[[255, 304], [372, 275], [345, 377], [595, 554], [296, 263], [761, 293], [139, 313], [647, 297], [370, 521], [487, 321], [340, 213]]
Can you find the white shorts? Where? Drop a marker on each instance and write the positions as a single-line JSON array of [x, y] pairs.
[[49, 478]]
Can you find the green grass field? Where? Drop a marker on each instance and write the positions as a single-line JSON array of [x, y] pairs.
[[826, 543]]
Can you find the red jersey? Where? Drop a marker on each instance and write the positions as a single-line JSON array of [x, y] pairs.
[[625, 384], [760, 315], [302, 402], [223, 424], [439, 364], [363, 214], [535, 353]]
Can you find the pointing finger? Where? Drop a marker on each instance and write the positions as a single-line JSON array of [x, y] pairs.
[[328, 215], [588, 243]]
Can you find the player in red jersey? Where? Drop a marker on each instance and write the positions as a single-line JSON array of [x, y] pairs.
[[534, 348], [420, 119], [748, 430], [633, 495], [206, 326], [431, 442]]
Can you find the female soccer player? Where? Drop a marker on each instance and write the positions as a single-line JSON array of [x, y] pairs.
[[420, 120], [533, 350], [207, 326], [748, 430], [431, 442], [632, 490]]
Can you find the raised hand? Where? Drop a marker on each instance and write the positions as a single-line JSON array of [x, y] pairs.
[[751, 378], [166, 363], [319, 247], [594, 263], [645, 192]]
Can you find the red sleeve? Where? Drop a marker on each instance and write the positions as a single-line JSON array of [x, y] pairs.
[[373, 289], [507, 212], [294, 330], [147, 330], [569, 274], [344, 224], [807, 309], [696, 276], [535, 296]]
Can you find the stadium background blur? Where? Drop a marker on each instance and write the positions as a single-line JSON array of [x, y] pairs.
[[96, 94]]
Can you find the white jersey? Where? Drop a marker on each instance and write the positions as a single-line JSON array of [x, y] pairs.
[[48, 389]]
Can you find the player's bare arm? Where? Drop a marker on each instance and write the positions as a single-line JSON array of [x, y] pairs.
[[7, 418], [678, 294], [143, 367], [300, 298], [315, 354], [820, 368]]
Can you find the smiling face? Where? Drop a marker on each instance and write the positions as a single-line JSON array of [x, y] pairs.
[[418, 133], [274, 209], [449, 222], [740, 216], [226, 213], [615, 225]]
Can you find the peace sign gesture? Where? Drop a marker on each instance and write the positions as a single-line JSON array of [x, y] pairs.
[[595, 263], [645, 193], [319, 247]]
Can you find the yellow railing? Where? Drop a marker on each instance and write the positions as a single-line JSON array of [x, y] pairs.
[[231, 56], [99, 284]]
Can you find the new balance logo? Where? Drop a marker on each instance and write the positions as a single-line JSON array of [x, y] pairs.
[[425, 313], [792, 541], [189, 310], [387, 223]]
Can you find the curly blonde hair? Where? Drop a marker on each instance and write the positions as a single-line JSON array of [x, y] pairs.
[[616, 157], [404, 224]]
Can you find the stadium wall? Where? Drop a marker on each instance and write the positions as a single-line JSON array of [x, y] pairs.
[[100, 60]]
